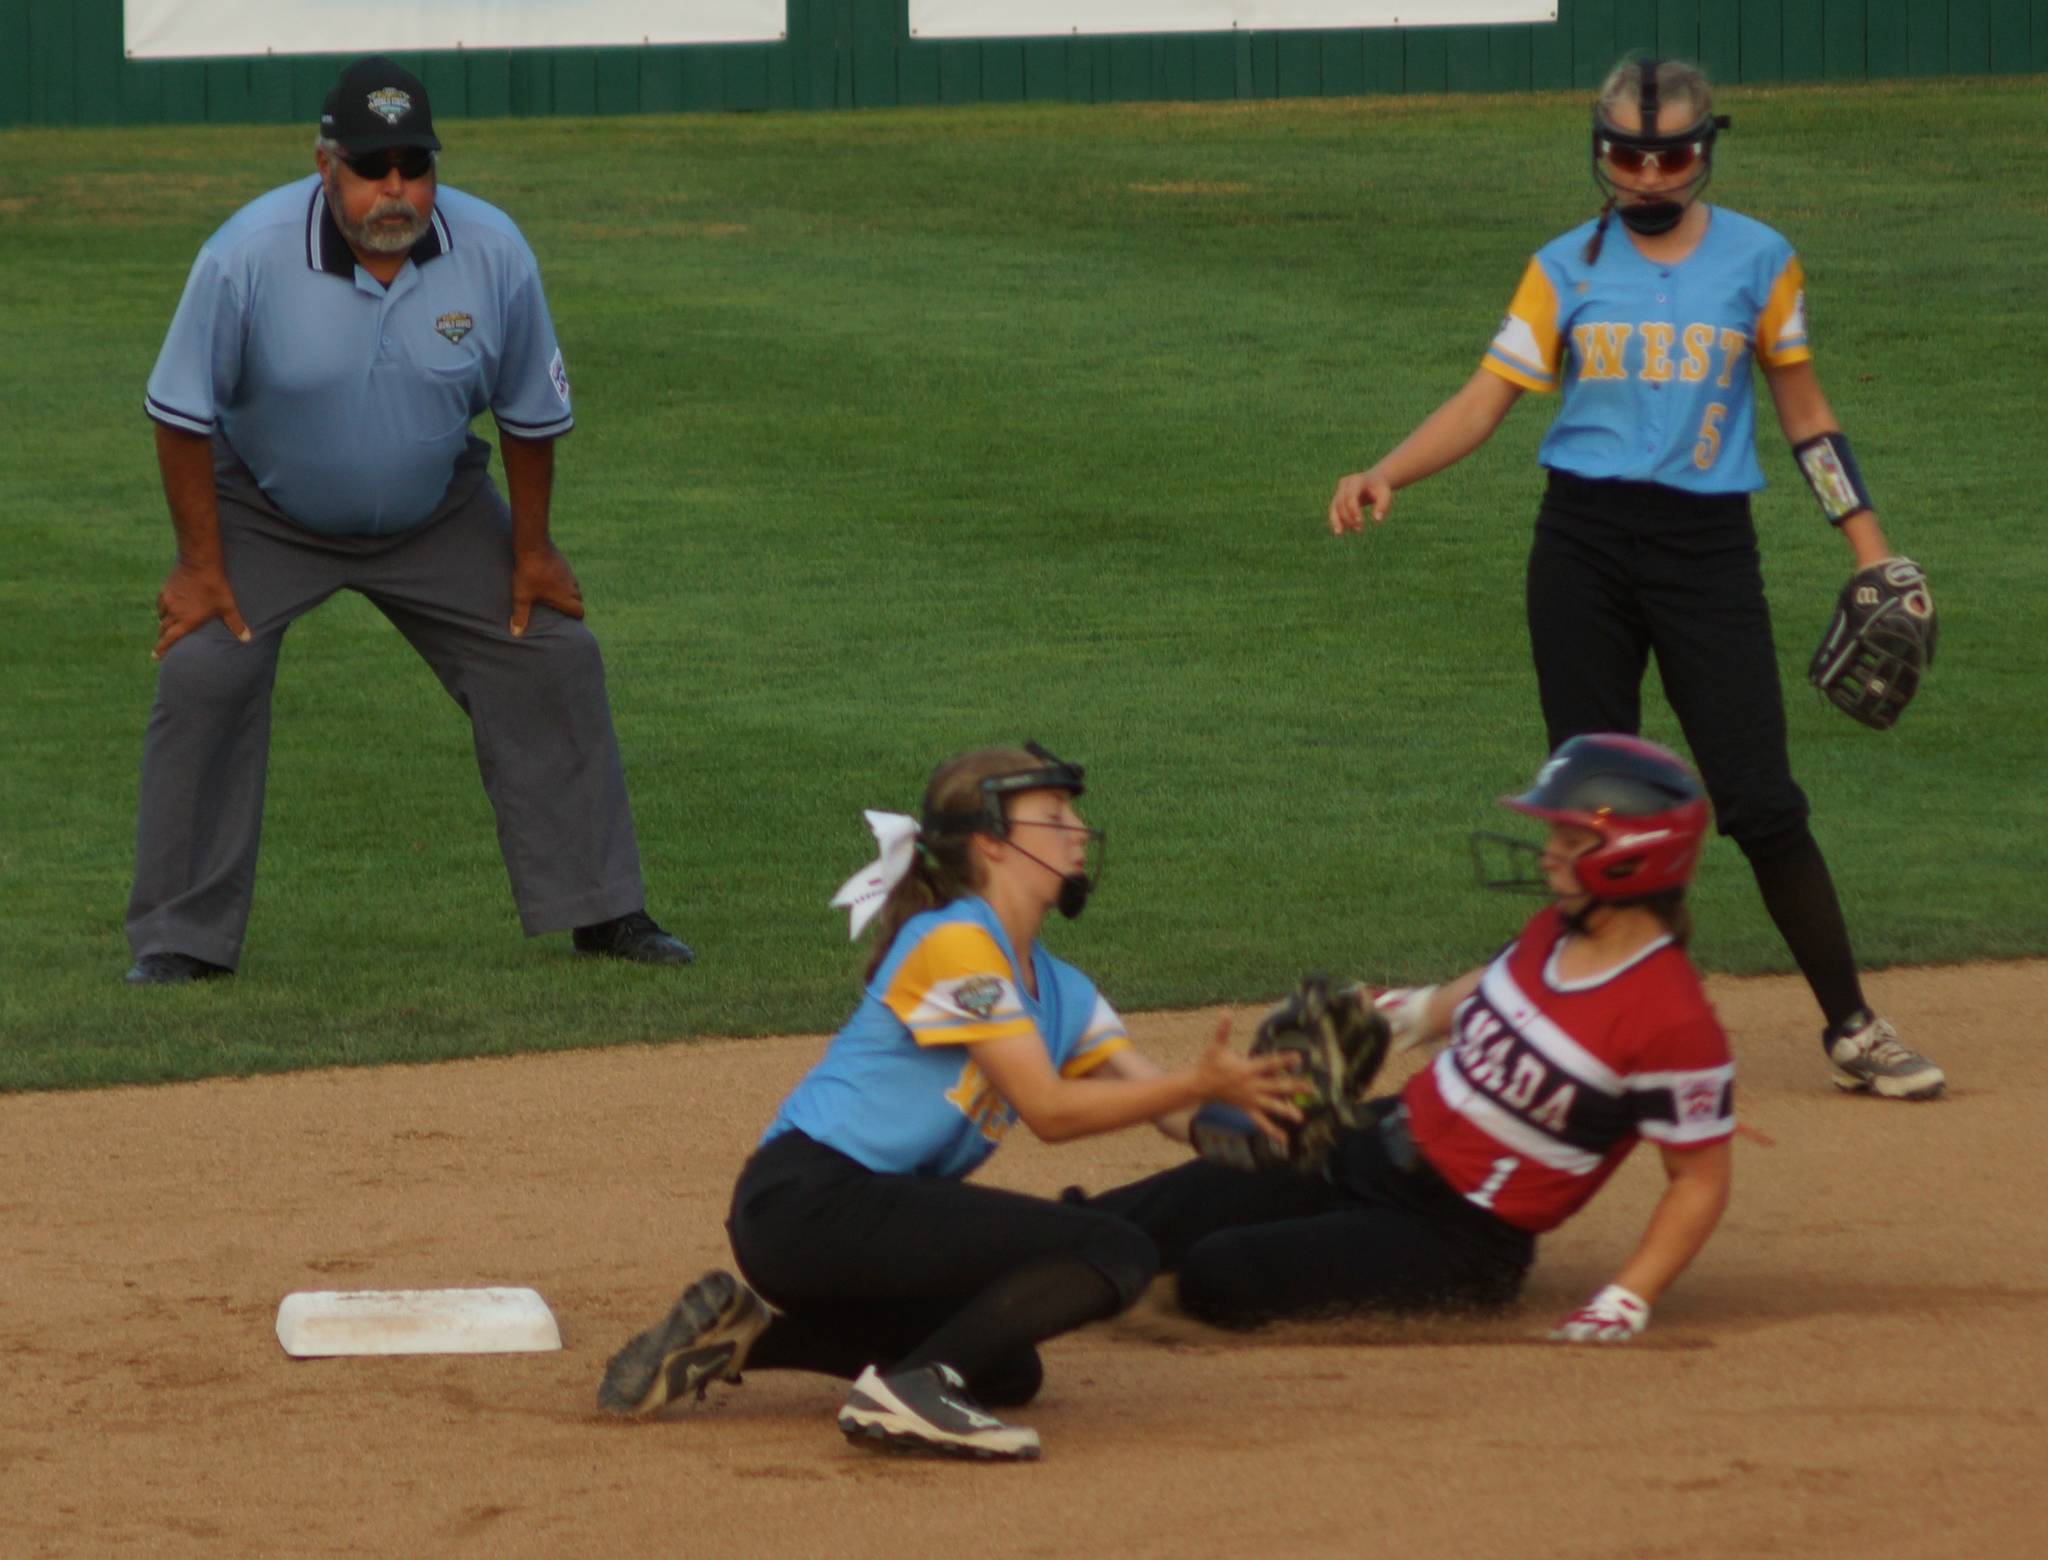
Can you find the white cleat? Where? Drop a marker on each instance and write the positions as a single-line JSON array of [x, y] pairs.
[[1868, 1056]]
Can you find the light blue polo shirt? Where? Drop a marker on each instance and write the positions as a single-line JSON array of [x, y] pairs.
[[348, 401]]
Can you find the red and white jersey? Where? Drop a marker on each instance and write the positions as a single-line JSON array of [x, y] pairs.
[[1547, 1084]]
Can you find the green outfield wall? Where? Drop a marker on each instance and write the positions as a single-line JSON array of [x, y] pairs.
[[61, 62]]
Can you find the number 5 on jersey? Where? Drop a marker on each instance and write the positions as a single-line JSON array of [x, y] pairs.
[[1708, 449]]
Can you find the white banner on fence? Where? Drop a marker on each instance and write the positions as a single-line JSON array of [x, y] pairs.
[[1050, 18], [170, 29]]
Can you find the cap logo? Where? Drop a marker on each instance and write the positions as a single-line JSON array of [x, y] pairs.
[[390, 104], [455, 326]]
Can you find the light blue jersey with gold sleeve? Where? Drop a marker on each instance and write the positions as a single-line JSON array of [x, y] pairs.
[[1653, 360], [898, 1089]]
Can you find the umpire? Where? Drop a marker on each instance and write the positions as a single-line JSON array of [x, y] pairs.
[[312, 405]]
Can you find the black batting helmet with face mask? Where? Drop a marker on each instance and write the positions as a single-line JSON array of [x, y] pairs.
[[1631, 150]]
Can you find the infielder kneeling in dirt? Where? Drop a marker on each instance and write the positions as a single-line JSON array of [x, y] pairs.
[[852, 1220], [1588, 1032]]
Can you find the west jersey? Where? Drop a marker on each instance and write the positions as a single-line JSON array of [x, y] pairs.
[[1546, 1086], [898, 1089], [1654, 360]]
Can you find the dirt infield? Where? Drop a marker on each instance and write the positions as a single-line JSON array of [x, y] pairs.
[[1854, 1368]]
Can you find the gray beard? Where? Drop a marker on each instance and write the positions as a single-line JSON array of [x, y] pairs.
[[373, 238]]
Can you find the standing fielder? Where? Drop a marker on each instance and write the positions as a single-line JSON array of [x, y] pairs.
[[1644, 541]]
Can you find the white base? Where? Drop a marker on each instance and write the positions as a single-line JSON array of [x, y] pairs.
[[323, 1323]]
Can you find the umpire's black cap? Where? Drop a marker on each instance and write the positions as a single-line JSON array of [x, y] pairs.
[[377, 103]]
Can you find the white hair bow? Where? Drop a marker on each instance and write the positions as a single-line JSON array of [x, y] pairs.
[[864, 892]]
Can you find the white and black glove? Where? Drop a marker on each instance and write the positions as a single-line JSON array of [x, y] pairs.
[[1614, 1315]]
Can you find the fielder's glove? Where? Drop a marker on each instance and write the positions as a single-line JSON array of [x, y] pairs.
[[1878, 644], [1614, 1315], [1337, 1040]]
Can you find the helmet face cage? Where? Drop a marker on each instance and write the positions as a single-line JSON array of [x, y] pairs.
[[1640, 799], [1054, 774], [1699, 137]]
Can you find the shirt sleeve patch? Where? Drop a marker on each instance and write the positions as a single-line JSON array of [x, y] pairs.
[[1527, 349], [956, 988], [558, 376], [1684, 1107]]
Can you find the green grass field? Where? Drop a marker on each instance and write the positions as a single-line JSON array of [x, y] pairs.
[[904, 432]]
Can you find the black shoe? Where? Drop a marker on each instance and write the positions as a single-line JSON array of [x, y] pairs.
[[172, 969], [634, 938]]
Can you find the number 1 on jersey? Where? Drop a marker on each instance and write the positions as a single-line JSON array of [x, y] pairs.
[[1496, 1178]]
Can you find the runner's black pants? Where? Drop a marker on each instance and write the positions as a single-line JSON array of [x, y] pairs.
[[1383, 1233]]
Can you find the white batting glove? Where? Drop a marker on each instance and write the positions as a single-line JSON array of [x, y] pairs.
[[1614, 1315], [1404, 1008]]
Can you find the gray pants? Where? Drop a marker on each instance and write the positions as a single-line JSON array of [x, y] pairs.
[[544, 738]]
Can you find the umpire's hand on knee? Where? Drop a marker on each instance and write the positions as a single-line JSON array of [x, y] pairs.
[[193, 596], [543, 577]]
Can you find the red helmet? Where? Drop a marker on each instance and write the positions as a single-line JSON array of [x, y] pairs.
[[1643, 801]]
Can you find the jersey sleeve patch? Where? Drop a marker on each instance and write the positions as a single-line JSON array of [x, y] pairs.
[[1102, 1039], [1527, 350], [1781, 328], [1684, 1108], [530, 399], [956, 988]]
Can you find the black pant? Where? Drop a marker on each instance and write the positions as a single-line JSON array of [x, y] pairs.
[[1621, 569], [902, 1270], [1385, 1232]]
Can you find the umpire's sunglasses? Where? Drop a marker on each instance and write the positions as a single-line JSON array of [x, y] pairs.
[[412, 162]]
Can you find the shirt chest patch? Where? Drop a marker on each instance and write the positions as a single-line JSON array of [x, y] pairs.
[[454, 326]]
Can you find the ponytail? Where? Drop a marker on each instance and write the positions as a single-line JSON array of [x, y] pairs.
[[931, 883]]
